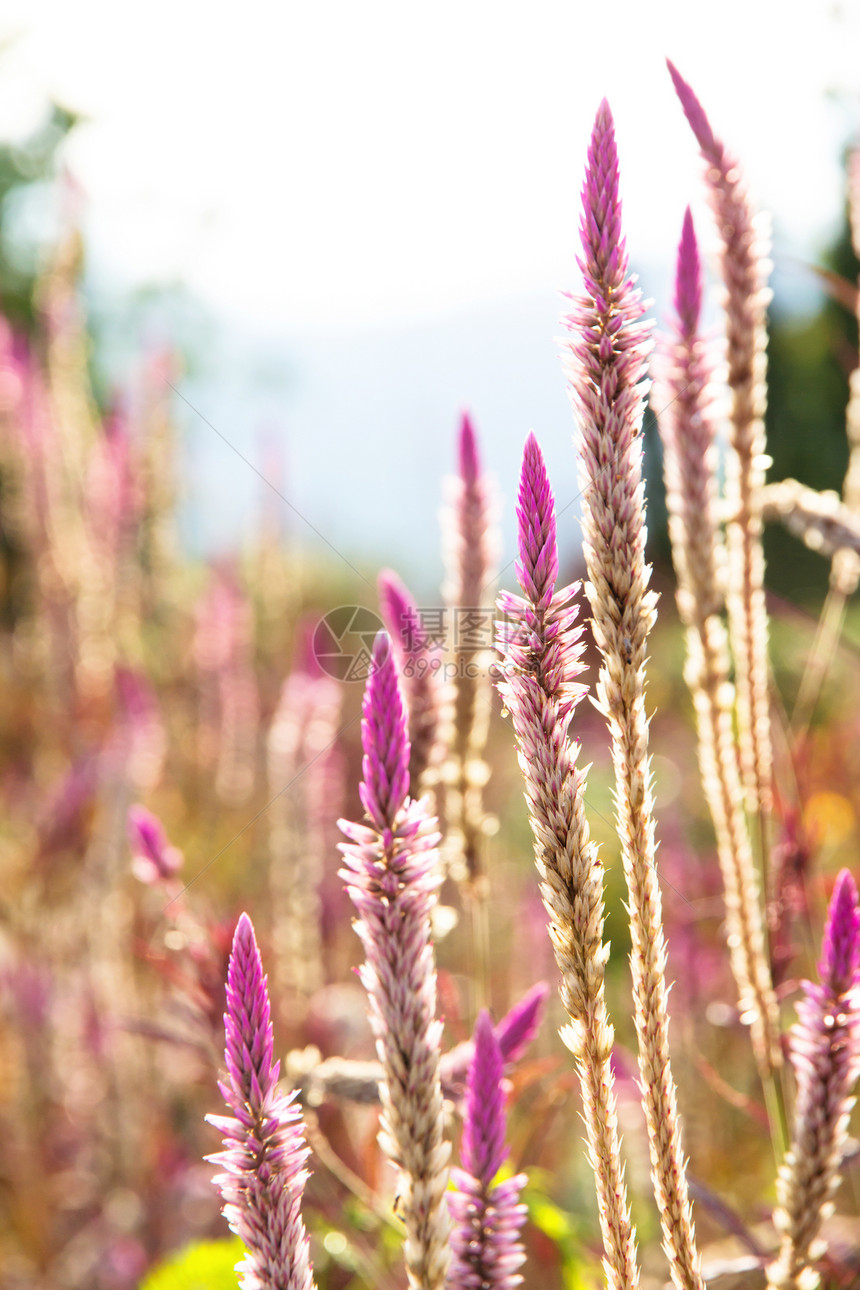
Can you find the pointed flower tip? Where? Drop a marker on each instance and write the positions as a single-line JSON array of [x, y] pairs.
[[399, 612], [533, 466], [603, 118], [485, 1034], [537, 566], [381, 657], [244, 931], [469, 464], [384, 738], [693, 110], [518, 1028], [840, 955], [688, 278], [602, 153]]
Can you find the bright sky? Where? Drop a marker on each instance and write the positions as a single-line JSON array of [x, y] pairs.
[[349, 162], [378, 200]]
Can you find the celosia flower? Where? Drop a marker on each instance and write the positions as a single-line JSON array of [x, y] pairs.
[[825, 1050], [263, 1160], [606, 362], [744, 268], [518, 1027], [153, 860], [688, 430], [392, 876], [541, 653], [487, 1217], [514, 1033]]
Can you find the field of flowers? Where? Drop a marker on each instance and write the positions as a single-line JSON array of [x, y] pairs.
[[510, 938]]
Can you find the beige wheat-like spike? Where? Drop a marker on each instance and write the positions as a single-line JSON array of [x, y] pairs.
[[605, 359], [540, 653], [744, 242], [688, 432]]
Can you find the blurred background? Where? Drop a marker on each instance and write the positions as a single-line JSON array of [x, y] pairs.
[[253, 266]]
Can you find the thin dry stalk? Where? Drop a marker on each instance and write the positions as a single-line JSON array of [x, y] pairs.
[[689, 461], [818, 518], [606, 361], [471, 557], [541, 653], [300, 746]]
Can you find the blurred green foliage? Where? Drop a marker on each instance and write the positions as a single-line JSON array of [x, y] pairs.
[[809, 362], [206, 1265], [24, 166]]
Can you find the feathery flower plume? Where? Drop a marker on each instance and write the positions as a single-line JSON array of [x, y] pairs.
[[689, 451], [825, 1050], [744, 269], [541, 651], [419, 670], [606, 362], [471, 556], [264, 1154], [486, 1218], [391, 877]]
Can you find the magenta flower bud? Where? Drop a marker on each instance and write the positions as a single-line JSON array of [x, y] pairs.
[[153, 860], [518, 1028], [263, 1160], [487, 1218], [470, 465], [537, 565], [385, 765], [688, 280]]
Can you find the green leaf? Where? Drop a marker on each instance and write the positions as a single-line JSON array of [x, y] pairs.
[[206, 1265]]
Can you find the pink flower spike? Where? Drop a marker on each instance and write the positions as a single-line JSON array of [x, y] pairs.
[[385, 740], [399, 613], [537, 566], [744, 268], [688, 280], [693, 111], [825, 1049], [840, 951], [486, 1218], [470, 466], [391, 875], [264, 1154], [517, 1029]]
